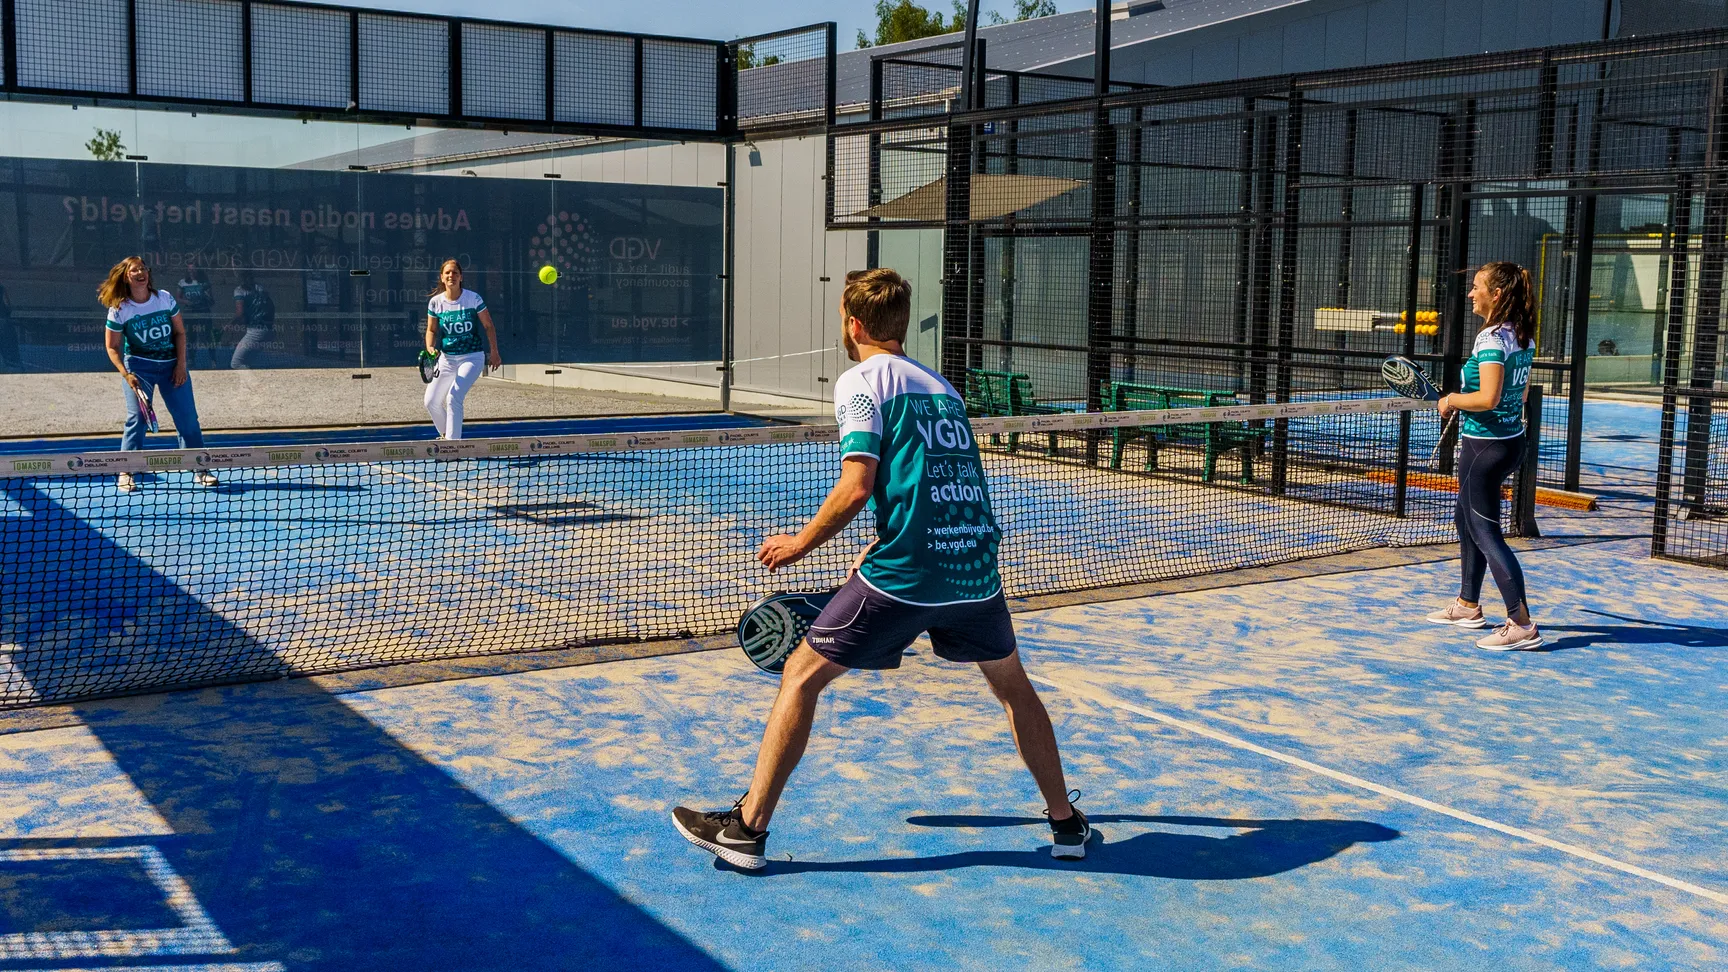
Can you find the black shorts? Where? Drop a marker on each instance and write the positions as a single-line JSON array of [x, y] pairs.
[[865, 628]]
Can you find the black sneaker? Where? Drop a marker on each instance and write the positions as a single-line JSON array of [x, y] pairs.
[[723, 834], [1068, 837]]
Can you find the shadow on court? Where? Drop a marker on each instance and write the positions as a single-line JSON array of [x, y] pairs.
[[1269, 847], [1638, 632], [307, 833]]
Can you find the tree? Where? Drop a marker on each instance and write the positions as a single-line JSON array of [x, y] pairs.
[[905, 21], [747, 58], [1028, 9], [106, 146]]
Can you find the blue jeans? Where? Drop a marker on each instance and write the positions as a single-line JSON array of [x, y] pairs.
[[154, 376]]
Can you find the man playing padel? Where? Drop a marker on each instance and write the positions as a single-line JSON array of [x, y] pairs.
[[907, 446]]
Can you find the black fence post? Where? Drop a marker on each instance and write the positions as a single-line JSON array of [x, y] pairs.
[[1673, 349], [453, 28], [956, 254], [636, 83], [1412, 283], [1524, 499], [1707, 319], [1131, 254], [1455, 321], [1239, 308], [1290, 238], [9, 42], [1260, 283], [550, 74], [873, 171], [1101, 259], [1585, 265], [353, 60], [245, 50], [131, 46]]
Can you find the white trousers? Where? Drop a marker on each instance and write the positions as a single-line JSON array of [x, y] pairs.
[[455, 374]]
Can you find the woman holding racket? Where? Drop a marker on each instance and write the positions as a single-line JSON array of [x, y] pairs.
[[454, 318], [1490, 403], [147, 343]]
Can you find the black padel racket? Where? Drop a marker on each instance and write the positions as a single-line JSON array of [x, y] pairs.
[[428, 366], [773, 626], [1407, 378]]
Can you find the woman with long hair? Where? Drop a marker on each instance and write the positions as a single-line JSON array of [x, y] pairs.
[[1490, 401], [454, 318], [147, 343]]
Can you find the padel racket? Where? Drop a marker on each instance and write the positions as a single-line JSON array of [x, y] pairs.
[[428, 366], [773, 626], [146, 411], [1407, 378]]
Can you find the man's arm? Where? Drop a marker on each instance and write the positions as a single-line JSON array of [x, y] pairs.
[[857, 478]]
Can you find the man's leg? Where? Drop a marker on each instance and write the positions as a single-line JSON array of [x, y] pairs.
[[801, 684], [1033, 735]]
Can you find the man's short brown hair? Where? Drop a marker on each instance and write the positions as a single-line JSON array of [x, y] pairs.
[[881, 300]]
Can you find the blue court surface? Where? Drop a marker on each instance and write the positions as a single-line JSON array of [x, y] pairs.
[[398, 433], [1287, 768], [1294, 774]]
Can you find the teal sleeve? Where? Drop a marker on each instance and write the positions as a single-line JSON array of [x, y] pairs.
[[861, 444], [1491, 356]]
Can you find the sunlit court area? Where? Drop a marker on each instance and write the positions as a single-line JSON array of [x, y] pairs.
[[1154, 484]]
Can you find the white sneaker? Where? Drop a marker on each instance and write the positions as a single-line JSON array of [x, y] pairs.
[[125, 483]]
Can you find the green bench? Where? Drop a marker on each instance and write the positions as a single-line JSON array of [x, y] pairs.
[[1215, 438], [1005, 393]]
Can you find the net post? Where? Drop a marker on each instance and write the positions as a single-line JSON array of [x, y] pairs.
[[1524, 503]]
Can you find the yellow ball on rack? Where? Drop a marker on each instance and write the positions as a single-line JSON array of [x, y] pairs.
[[548, 274]]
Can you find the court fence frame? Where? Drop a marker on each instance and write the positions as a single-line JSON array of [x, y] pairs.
[[1352, 198]]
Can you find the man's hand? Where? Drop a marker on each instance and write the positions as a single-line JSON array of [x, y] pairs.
[[179, 373], [779, 551]]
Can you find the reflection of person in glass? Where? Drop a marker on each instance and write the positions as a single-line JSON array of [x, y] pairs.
[[453, 320], [147, 343], [255, 310], [196, 300], [10, 359]]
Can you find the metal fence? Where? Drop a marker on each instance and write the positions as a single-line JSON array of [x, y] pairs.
[[1276, 237], [299, 57]]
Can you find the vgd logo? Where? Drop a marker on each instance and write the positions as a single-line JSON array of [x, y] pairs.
[[566, 241]]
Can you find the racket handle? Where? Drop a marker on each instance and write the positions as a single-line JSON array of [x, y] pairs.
[[1445, 430]]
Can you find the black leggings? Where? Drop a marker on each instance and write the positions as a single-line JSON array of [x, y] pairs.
[[1483, 467]]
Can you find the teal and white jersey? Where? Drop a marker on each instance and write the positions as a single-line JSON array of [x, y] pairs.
[[458, 321], [936, 537], [149, 327], [1497, 345]]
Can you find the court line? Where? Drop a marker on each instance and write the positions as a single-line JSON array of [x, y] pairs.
[[1104, 698]]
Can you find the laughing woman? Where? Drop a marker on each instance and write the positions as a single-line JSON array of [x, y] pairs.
[[454, 318], [147, 343]]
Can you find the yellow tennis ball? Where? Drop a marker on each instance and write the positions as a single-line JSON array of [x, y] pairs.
[[548, 274]]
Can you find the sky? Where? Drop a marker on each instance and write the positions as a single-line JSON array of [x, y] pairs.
[[707, 19]]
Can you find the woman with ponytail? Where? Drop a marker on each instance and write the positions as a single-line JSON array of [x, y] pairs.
[[1491, 402]]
